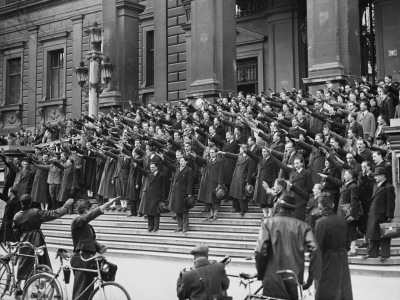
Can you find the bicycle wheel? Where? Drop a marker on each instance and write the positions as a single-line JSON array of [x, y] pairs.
[[42, 286], [40, 269], [112, 291], [5, 278]]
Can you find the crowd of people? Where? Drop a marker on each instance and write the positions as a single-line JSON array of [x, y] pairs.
[[289, 146]]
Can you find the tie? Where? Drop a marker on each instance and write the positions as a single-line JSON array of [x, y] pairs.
[[181, 169]]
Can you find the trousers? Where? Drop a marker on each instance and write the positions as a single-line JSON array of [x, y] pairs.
[[183, 221]]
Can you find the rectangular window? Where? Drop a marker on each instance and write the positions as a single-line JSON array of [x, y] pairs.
[[13, 89], [56, 74], [149, 58]]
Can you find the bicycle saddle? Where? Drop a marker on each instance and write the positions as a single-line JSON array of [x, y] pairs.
[[63, 253], [247, 276]]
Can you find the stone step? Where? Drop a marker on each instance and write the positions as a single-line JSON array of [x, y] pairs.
[[231, 220], [249, 237], [156, 238], [153, 247]]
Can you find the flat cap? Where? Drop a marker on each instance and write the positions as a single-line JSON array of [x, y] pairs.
[[199, 250], [83, 205]]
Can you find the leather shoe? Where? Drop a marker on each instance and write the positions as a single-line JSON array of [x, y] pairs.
[[184, 230], [178, 230], [215, 218], [208, 219], [351, 254], [384, 258], [363, 245], [242, 213], [150, 229], [205, 209], [234, 211], [368, 256], [113, 208]]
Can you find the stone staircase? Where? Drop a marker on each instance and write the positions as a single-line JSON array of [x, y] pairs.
[[232, 234]]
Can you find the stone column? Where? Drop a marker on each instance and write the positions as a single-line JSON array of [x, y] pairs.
[[333, 41], [128, 49], [213, 47], [32, 75], [287, 59], [160, 51], [76, 108]]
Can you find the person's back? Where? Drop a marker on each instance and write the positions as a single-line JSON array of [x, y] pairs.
[[281, 245], [331, 237], [204, 280]]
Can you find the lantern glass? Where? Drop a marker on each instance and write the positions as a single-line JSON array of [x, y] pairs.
[[82, 73], [107, 70]]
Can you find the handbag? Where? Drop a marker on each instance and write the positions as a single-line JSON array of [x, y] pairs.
[[390, 230]]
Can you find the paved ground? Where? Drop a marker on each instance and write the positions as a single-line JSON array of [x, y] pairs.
[[146, 278]]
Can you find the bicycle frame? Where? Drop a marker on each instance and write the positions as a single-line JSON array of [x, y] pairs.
[[12, 253]]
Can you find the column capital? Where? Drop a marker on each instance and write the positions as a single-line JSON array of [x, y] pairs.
[[130, 4]]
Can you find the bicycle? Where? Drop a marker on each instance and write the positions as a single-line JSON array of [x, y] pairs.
[[46, 286], [8, 282], [293, 286]]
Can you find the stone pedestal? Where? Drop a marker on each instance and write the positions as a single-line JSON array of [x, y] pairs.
[[213, 48], [333, 41], [393, 132]]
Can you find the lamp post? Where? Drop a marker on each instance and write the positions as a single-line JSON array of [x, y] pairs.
[[94, 79]]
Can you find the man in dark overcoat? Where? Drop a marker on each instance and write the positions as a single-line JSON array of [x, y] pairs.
[[228, 165], [24, 179], [330, 234], [302, 178], [181, 188], [266, 171], [252, 164], [349, 196], [281, 244], [204, 280], [152, 194], [381, 211], [209, 181], [13, 205], [134, 184], [239, 179], [69, 183]]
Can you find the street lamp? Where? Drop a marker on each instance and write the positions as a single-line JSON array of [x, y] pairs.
[[95, 79]]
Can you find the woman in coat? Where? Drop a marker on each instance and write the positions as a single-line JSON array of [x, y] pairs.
[[106, 187], [40, 188], [181, 188], [209, 181], [238, 184], [69, 183], [13, 205], [26, 227], [266, 171]]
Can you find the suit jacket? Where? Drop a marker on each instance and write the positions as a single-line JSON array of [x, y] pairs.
[[83, 235], [382, 208], [368, 123]]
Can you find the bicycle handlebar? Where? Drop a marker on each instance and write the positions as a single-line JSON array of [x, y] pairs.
[[95, 257]]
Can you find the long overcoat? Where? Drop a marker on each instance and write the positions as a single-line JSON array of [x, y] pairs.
[[266, 171], [316, 165], [382, 208], [121, 176], [209, 180], [40, 188], [304, 181], [152, 193], [335, 282], [228, 165], [6, 231], [281, 244], [27, 229], [23, 182], [88, 171], [182, 186], [69, 182], [134, 179], [239, 178], [106, 188]]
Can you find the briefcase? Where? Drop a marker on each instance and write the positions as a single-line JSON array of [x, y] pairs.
[[390, 230]]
